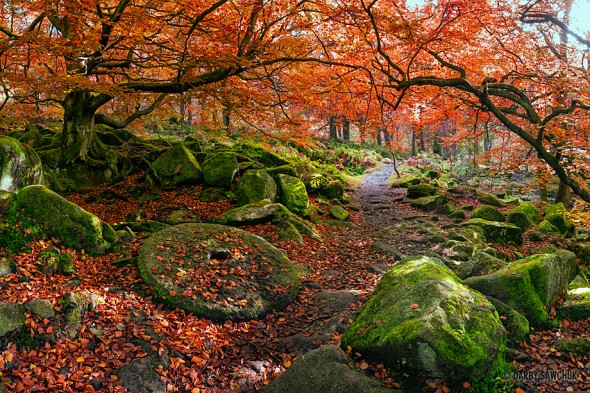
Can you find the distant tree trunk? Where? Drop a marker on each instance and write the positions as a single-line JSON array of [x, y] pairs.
[[563, 194], [414, 144], [226, 119], [345, 129], [487, 137], [436, 147], [333, 130], [422, 142], [379, 143], [543, 193]]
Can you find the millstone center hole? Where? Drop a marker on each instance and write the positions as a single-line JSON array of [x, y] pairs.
[[220, 255]]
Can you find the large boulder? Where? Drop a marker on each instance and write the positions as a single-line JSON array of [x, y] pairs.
[[489, 213], [421, 190], [326, 370], [423, 320], [66, 221], [217, 272], [255, 186], [503, 232], [293, 193], [332, 190], [177, 166], [429, 203], [530, 285], [220, 169], [482, 263], [265, 211], [577, 301], [12, 317], [19, 165]]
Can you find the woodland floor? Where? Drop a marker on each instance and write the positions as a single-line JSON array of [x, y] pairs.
[[197, 355]]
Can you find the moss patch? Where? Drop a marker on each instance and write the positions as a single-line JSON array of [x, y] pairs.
[[421, 318]]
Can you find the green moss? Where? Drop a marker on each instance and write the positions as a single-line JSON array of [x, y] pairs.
[[428, 203], [530, 210], [488, 213], [557, 208], [177, 166], [256, 186], [503, 232], [293, 194], [422, 318], [421, 190], [12, 317], [332, 190], [546, 228], [220, 169], [339, 213], [17, 230], [68, 222], [521, 219], [577, 346], [561, 222]]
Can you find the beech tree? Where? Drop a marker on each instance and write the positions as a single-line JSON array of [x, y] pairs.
[[83, 54], [501, 58]]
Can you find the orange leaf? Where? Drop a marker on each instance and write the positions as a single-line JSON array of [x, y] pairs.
[[466, 385], [172, 292], [519, 390], [415, 305]]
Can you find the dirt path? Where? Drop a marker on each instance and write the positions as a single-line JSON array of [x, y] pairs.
[[376, 199]]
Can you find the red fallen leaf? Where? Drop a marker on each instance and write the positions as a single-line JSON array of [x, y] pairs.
[[414, 306], [466, 385], [363, 365], [172, 292]]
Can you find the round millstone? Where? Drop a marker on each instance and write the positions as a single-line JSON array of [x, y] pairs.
[[217, 272]]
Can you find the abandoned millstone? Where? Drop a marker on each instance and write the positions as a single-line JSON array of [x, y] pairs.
[[217, 272]]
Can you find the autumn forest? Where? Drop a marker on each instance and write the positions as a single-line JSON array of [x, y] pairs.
[[294, 196]]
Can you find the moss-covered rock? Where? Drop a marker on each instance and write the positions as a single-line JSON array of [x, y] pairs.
[[529, 209], [256, 186], [53, 260], [557, 208], [326, 370], [66, 221], [74, 306], [561, 222], [488, 199], [530, 285], [520, 218], [488, 213], [577, 346], [428, 203], [282, 170], [516, 325], [405, 181], [503, 232], [6, 268], [315, 181], [19, 166], [458, 250], [421, 190], [41, 307], [423, 320], [215, 194], [245, 277], [293, 194], [339, 213], [12, 317], [220, 169], [482, 263], [332, 190], [176, 167], [546, 228], [264, 156]]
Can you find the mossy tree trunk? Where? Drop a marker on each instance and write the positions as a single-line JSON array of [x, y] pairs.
[[79, 141]]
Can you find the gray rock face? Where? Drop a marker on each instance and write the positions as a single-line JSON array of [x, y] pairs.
[[422, 319], [19, 166], [139, 377], [326, 370]]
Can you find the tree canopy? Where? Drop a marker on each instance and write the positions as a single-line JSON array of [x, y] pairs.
[[517, 67]]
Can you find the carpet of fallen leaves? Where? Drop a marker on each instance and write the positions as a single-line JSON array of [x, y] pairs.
[[197, 355]]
